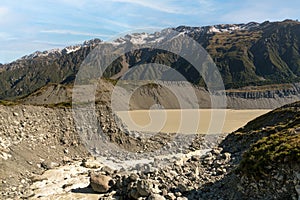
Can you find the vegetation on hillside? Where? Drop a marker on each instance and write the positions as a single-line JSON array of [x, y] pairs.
[[280, 144]]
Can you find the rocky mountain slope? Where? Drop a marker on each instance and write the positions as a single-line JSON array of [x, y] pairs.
[[32, 72], [246, 54]]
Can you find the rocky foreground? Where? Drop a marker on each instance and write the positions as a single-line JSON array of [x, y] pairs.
[[43, 158], [179, 180]]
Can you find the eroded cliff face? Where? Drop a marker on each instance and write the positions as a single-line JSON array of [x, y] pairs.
[[268, 97], [261, 97], [171, 95]]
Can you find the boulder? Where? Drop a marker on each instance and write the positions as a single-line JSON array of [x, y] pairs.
[[144, 187], [91, 163], [133, 177], [100, 183], [297, 188], [156, 197]]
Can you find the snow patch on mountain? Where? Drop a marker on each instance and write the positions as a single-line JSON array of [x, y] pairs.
[[58, 52], [147, 38], [137, 38], [221, 28], [71, 49], [42, 54]]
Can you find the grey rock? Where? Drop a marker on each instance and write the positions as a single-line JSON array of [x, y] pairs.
[[92, 164], [133, 177], [195, 158], [182, 187], [107, 170], [181, 198], [156, 197], [227, 157], [100, 183], [66, 151], [49, 165], [27, 194], [144, 187], [217, 151], [297, 188], [178, 194], [133, 194], [170, 196]]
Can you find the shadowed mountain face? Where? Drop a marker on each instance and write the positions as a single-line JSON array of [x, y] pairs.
[[245, 54]]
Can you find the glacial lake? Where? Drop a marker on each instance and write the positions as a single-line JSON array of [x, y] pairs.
[[200, 121]]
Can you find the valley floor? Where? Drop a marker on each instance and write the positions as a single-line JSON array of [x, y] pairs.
[[42, 157]]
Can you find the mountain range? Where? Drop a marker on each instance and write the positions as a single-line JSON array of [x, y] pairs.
[[251, 54]]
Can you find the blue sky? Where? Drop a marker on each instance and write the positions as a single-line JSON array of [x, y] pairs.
[[30, 25]]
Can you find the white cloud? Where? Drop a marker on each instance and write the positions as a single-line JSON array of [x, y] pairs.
[[4, 11], [49, 43], [3, 35], [261, 11], [5, 15], [76, 3], [116, 23], [167, 7], [204, 6], [71, 32]]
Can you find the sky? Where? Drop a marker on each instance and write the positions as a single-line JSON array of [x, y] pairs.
[[30, 25]]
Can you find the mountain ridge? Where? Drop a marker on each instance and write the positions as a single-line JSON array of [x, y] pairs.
[[245, 54]]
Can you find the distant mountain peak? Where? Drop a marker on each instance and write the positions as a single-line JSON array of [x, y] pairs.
[[50, 52], [144, 38], [56, 52], [219, 28]]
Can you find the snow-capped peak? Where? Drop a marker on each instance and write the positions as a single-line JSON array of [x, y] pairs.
[[66, 50], [224, 28], [42, 54], [70, 49], [134, 38], [146, 38], [221, 28], [87, 43]]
